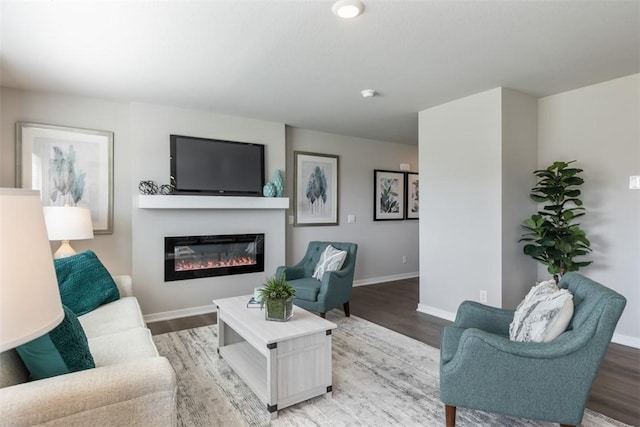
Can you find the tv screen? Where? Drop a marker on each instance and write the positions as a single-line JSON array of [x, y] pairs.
[[212, 166]]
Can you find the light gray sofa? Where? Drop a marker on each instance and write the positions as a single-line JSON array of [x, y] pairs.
[[131, 384]]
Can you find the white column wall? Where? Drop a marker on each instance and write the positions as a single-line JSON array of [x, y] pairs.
[[519, 160], [460, 226]]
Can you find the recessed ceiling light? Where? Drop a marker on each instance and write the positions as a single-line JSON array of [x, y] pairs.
[[368, 93], [347, 9]]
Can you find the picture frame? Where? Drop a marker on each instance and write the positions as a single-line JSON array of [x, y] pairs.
[[70, 166], [412, 190], [388, 195], [316, 187]]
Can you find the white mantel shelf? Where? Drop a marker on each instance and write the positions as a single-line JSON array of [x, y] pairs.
[[211, 202]]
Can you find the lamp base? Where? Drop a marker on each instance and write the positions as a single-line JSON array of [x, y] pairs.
[[64, 250]]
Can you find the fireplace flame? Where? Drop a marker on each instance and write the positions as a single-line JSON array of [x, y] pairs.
[[204, 264]]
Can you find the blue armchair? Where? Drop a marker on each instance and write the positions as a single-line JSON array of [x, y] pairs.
[[334, 290], [480, 368]]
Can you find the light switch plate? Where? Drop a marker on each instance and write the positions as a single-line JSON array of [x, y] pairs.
[[634, 182]]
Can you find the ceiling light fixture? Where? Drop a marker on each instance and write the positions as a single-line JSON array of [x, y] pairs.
[[347, 9], [368, 93]]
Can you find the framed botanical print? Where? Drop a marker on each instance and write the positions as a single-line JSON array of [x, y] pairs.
[[70, 167], [412, 187], [388, 195], [316, 189]]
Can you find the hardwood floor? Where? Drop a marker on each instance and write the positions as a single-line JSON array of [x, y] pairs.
[[615, 393]]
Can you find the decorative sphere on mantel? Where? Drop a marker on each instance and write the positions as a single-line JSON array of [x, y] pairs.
[[269, 190]]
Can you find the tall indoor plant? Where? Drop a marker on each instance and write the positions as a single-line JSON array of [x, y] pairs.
[[552, 236]]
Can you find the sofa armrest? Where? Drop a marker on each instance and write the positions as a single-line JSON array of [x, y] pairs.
[[125, 285], [472, 314], [290, 273], [128, 392]]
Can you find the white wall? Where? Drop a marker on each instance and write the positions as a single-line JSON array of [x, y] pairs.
[[519, 160], [599, 126], [460, 229], [381, 244], [151, 126], [113, 249]]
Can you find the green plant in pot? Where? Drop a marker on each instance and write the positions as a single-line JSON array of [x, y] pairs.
[[553, 238], [277, 296]]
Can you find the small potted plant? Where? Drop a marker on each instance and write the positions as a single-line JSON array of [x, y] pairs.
[[277, 295]]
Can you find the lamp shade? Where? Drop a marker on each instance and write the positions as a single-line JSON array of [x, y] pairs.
[[30, 304], [68, 223]]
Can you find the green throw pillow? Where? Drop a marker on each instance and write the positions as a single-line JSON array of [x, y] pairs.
[[84, 282], [63, 350]]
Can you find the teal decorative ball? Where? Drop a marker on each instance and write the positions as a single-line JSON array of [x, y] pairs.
[[269, 190]]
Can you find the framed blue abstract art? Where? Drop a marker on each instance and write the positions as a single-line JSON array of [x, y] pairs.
[[316, 189], [70, 167]]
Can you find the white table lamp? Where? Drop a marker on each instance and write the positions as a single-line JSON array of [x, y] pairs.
[[30, 303], [67, 223]]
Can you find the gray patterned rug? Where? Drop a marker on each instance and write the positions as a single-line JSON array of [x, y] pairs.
[[380, 378]]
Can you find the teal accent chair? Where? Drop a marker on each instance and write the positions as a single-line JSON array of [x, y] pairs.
[[334, 290], [480, 368]]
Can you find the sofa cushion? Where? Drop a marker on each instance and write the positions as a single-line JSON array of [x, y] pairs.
[[306, 289], [543, 314], [84, 282], [114, 317], [122, 347], [331, 259], [63, 350]]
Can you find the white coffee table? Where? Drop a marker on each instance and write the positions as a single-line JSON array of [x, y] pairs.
[[282, 362]]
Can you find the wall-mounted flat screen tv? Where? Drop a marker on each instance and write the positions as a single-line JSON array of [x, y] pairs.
[[216, 167]]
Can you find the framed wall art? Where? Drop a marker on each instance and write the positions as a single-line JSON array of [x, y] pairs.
[[316, 189], [412, 187], [388, 195], [69, 166]]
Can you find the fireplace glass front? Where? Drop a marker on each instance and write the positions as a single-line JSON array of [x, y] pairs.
[[191, 257]]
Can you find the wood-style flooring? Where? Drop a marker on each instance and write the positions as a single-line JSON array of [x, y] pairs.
[[615, 393]]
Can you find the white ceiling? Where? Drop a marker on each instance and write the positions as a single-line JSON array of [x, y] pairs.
[[294, 62]]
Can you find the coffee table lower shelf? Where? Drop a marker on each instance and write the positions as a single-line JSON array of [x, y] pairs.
[[249, 364]]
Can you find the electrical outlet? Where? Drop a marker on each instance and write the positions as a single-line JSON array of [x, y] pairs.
[[404, 259], [483, 296]]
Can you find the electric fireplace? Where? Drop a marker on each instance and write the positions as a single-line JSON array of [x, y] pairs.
[[191, 257]]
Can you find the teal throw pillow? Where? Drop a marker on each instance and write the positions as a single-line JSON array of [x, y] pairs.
[[63, 350], [85, 284]]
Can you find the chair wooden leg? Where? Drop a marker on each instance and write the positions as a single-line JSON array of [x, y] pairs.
[[450, 414], [323, 315], [567, 425], [346, 309]]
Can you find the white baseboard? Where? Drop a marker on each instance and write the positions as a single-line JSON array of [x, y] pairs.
[[194, 311], [423, 308], [176, 314], [617, 338], [383, 279], [626, 340]]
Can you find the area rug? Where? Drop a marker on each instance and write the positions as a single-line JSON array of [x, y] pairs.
[[380, 378]]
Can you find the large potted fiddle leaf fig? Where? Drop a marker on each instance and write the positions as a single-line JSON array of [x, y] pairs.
[[553, 237]]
